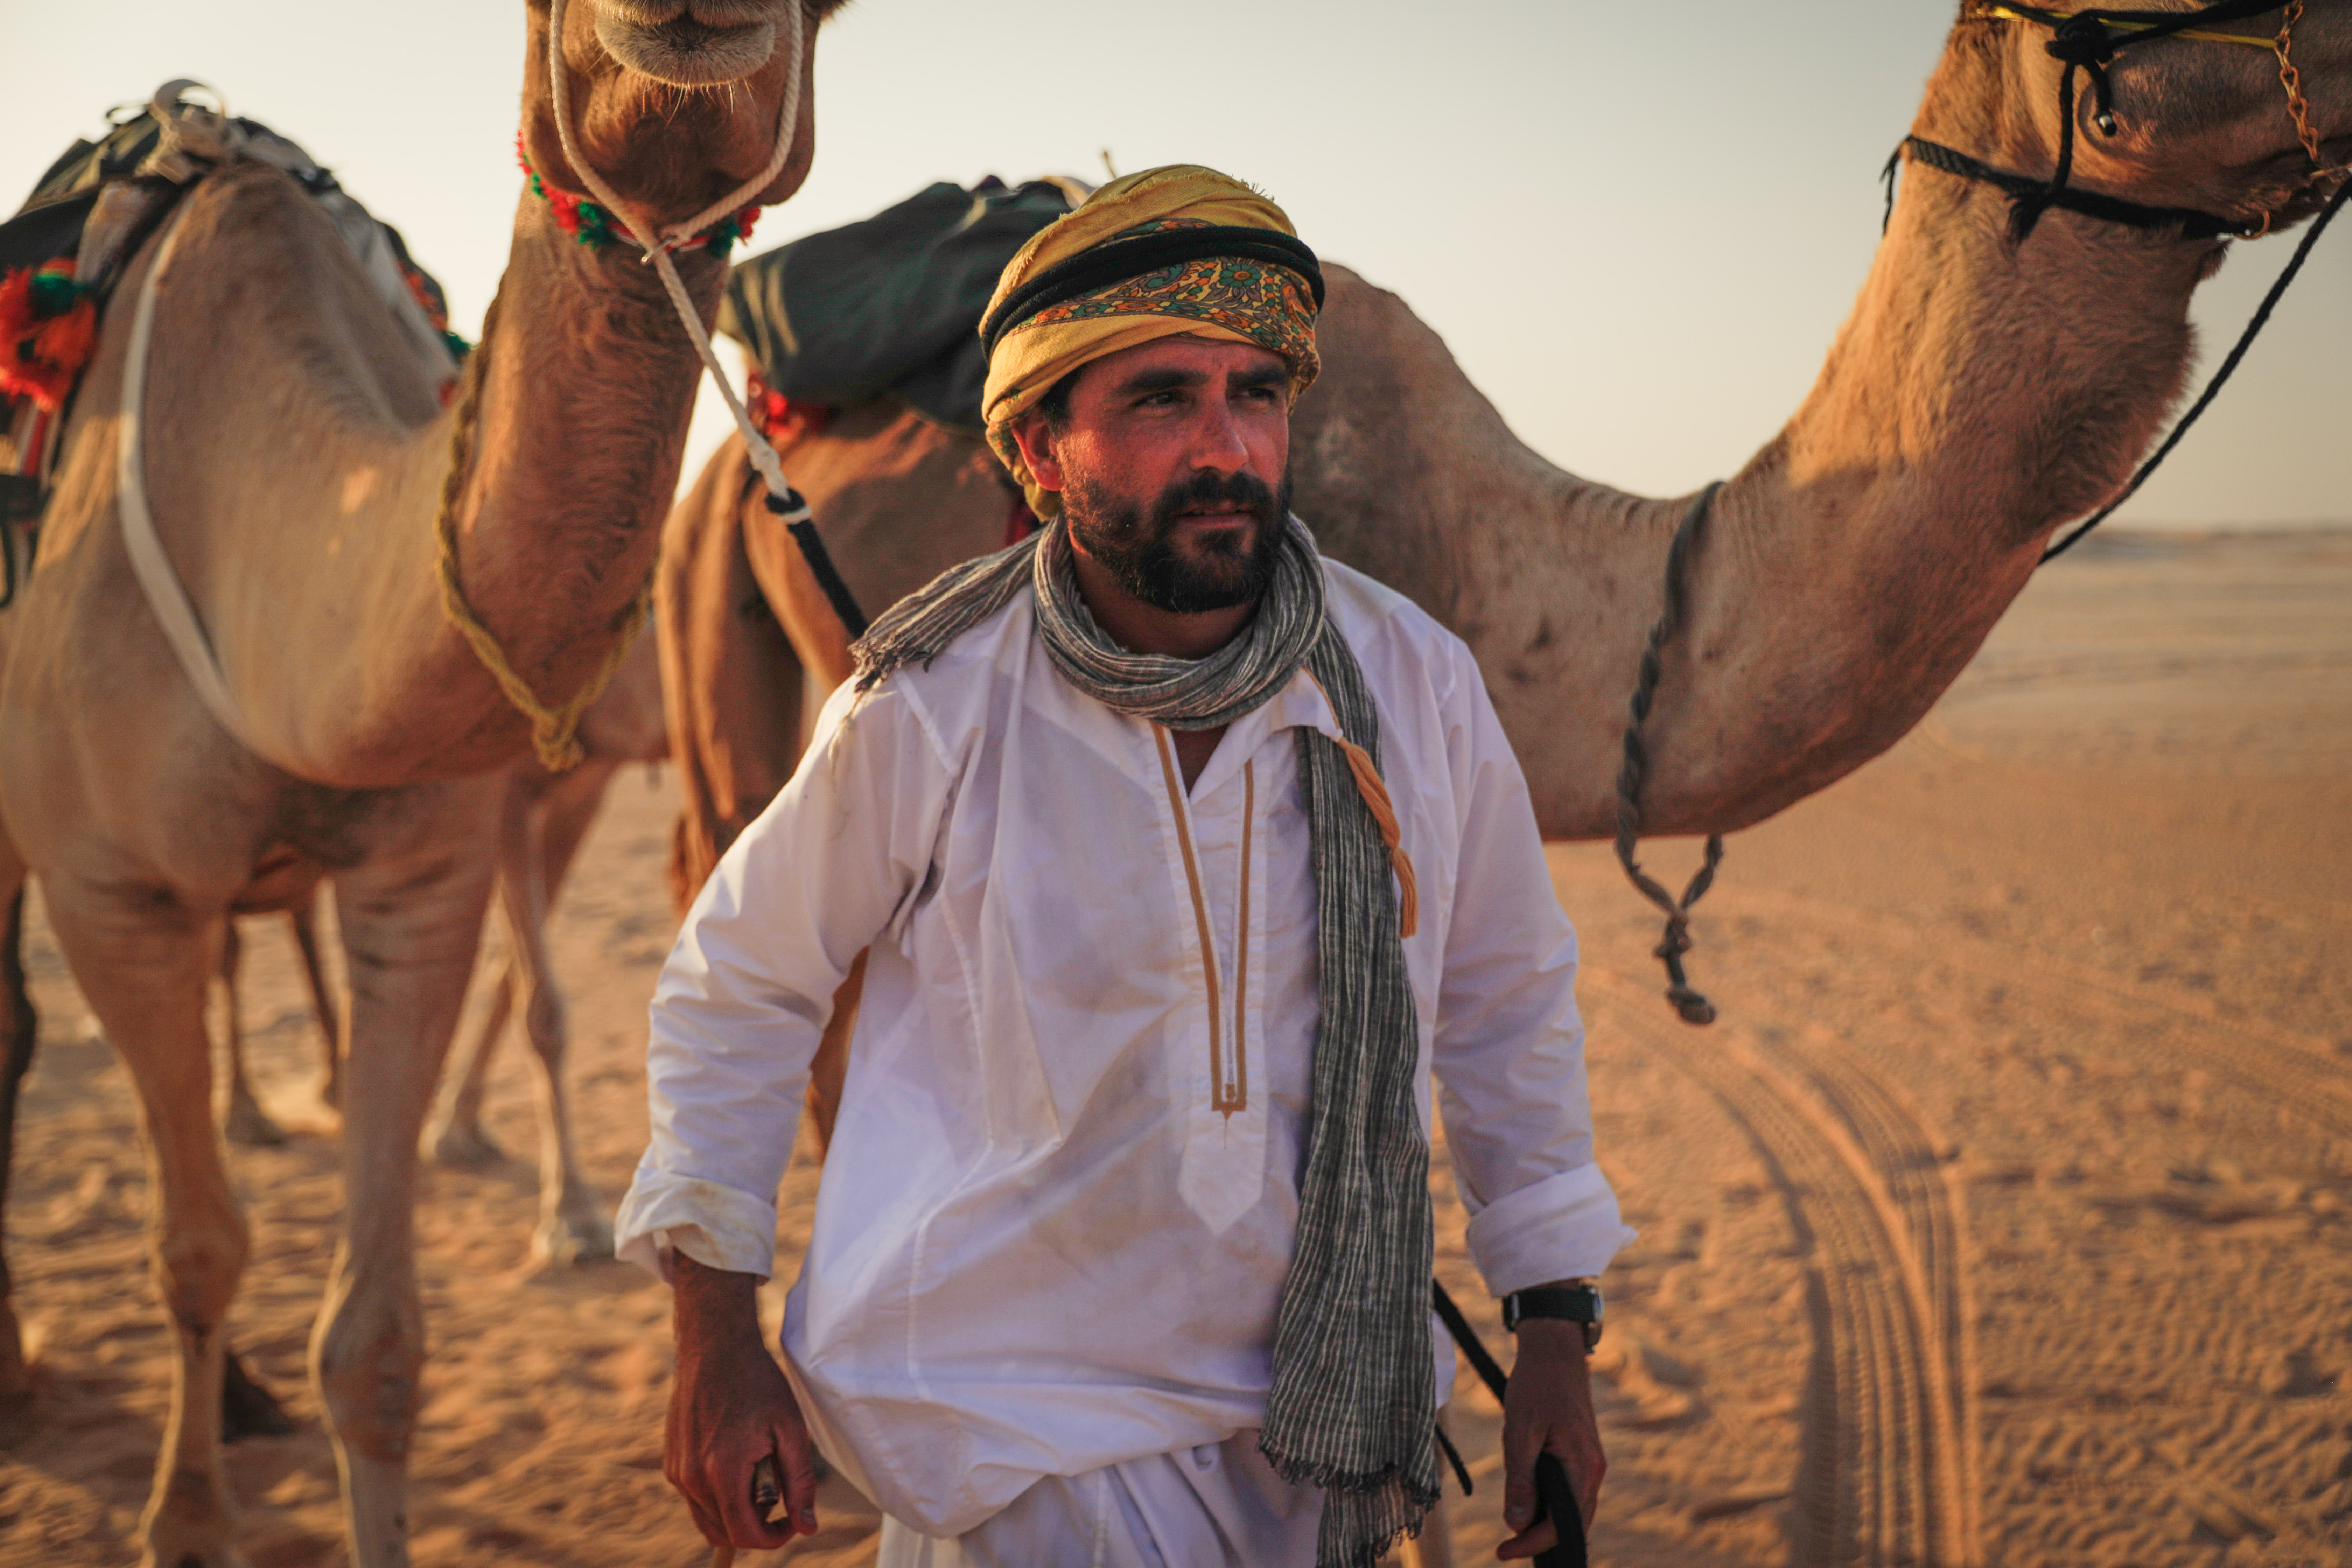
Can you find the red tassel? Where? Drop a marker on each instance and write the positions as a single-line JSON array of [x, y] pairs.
[[49, 330], [778, 417]]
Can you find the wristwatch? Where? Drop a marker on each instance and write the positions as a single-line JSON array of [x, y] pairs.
[[1579, 1301]]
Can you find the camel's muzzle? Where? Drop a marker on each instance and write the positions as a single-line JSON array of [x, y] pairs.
[[690, 43]]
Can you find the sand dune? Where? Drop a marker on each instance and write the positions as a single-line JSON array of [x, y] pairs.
[[2005, 1219]]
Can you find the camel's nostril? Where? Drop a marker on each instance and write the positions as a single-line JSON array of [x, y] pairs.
[[717, 14], [683, 45]]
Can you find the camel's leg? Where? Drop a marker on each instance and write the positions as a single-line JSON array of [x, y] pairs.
[[18, 1025], [454, 1135], [304, 918], [731, 682], [831, 1063], [411, 923], [146, 964], [573, 1224], [246, 1122]]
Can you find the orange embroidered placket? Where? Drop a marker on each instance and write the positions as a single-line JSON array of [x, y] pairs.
[[1228, 1061]]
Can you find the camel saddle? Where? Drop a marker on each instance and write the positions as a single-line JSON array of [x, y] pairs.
[[890, 306], [63, 251]]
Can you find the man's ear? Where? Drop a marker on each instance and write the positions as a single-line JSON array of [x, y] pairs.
[[1040, 449]]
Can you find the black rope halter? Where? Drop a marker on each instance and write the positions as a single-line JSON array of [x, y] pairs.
[[2086, 42]]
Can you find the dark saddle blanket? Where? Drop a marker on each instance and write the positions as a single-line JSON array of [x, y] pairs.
[[98, 204], [891, 306]]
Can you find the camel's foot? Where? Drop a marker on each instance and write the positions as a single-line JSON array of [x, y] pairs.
[[248, 1409], [248, 1124], [462, 1144], [574, 1238], [189, 1526]]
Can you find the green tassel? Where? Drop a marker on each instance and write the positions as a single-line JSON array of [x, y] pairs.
[[54, 293]]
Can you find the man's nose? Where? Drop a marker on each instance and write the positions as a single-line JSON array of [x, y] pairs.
[[1217, 440]]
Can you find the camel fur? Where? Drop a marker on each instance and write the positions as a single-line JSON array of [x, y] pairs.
[[1980, 395], [296, 461], [543, 820]]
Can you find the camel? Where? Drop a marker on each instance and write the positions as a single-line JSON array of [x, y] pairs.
[[242, 1119], [296, 461], [543, 819], [1983, 392]]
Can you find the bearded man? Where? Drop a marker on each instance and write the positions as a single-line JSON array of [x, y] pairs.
[[1185, 857]]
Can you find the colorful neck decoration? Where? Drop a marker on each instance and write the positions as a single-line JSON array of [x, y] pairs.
[[593, 227]]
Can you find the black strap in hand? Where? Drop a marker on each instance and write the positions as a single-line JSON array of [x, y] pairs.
[[1555, 1499]]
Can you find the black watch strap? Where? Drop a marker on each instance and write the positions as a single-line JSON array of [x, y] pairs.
[[1573, 1303]]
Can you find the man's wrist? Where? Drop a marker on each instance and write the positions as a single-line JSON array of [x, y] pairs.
[[719, 1301], [1572, 1305]]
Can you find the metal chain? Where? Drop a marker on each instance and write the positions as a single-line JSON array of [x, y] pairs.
[[2297, 107]]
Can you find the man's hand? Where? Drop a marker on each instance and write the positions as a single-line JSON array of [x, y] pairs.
[[1548, 1409], [729, 1407]]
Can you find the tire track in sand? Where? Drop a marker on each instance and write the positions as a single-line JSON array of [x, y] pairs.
[[2285, 1068], [1886, 1477]]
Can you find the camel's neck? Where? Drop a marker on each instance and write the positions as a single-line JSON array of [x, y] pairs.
[[1979, 394], [356, 678], [590, 380]]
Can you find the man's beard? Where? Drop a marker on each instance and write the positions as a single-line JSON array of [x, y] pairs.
[[1139, 549]]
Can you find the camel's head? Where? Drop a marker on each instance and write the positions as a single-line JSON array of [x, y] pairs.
[[675, 102], [2198, 121]]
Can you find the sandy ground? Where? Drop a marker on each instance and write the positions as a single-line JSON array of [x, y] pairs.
[[2006, 1217]]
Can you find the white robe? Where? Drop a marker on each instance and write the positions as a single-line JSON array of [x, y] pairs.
[[1061, 1198]]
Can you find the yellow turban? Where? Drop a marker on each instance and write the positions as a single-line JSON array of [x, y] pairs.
[[1072, 295]]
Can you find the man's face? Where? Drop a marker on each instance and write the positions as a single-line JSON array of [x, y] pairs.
[[1173, 469]]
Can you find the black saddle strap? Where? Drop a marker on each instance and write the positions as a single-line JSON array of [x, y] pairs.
[[793, 508]]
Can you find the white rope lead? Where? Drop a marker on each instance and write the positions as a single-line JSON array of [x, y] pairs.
[[658, 246]]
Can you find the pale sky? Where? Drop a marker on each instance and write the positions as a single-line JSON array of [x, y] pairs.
[[1637, 227]]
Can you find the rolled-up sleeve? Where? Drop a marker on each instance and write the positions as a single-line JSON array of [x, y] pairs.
[[1510, 1044], [746, 992]]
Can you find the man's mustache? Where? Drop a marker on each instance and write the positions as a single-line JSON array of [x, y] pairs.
[[1208, 488]]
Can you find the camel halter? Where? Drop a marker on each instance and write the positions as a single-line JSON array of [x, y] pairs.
[[554, 730], [2088, 41], [2084, 41]]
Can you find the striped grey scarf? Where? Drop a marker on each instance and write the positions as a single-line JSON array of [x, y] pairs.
[[1353, 1408]]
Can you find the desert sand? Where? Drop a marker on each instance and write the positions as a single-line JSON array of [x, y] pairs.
[[2005, 1218]]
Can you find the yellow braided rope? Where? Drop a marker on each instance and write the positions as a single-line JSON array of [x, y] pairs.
[[554, 731], [2203, 35]]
